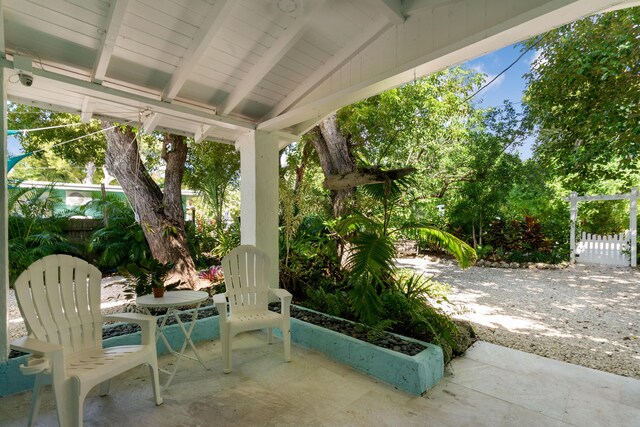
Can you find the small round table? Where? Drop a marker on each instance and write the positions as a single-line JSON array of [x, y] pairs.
[[176, 303]]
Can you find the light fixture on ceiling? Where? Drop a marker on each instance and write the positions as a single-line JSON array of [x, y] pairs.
[[292, 8]]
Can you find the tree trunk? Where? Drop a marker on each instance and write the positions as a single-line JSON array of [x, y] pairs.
[[90, 170], [161, 215], [335, 158]]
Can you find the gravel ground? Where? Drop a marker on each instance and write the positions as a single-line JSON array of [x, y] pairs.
[[585, 315]]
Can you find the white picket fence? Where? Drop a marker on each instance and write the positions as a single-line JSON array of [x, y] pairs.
[[596, 249]]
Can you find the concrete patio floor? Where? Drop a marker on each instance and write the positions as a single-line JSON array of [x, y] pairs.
[[489, 386]]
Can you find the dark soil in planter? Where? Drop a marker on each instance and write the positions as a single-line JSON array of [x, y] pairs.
[[385, 340]]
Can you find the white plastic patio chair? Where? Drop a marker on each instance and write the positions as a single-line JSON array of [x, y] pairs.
[[59, 298], [246, 276]]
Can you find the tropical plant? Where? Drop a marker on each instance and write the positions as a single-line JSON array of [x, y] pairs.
[[226, 240], [145, 275], [36, 229], [372, 251], [121, 240], [213, 274]]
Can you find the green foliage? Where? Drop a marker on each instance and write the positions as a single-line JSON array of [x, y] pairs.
[[583, 96], [63, 162], [226, 240], [521, 241], [201, 238], [122, 240], [313, 261], [213, 169], [145, 275], [35, 230]]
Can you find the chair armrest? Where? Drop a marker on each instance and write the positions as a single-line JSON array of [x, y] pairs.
[[220, 301], [285, 299], [46, 356], [146, 322], [282, 294], [34, 346]]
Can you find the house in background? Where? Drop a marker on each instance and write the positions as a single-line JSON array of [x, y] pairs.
[[73, 196]]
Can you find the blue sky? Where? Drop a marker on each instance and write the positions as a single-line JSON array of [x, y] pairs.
[[508, 86]]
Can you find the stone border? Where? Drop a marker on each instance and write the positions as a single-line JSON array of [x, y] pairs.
[[529, 265], [413, 374]]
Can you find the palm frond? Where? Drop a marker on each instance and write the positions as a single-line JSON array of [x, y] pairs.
[[356, 222], [365, 301], [462, 252], [389, 191], [371, 255]]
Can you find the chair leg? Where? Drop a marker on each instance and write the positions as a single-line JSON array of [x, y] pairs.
[[78, 408], [35, 399], [227, 350], [270, 335], [225, 342], [286, 338], [104, 387], [155, 378], [62, 398]]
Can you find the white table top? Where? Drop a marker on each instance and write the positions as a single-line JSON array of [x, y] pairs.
[[172, 299]]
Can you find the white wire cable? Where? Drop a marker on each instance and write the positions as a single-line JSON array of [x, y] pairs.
[[80, 137]]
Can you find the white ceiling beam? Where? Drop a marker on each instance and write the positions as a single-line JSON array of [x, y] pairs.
[[202, 133], [347, 52], [393, 10], [288, 38], [2, 44], [87, 110], [151, 122], [109, 38], [209, 28], [134, 100]]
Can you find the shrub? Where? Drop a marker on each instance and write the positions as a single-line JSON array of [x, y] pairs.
[[35, 229], [122, 240]]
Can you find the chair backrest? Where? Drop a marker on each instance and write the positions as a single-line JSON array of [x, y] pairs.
[[59, 298], [246, 276]]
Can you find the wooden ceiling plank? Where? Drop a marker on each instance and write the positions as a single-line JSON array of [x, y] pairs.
[[321, 74], [151, 122], [209, 28], [276, 52], [109, 38]]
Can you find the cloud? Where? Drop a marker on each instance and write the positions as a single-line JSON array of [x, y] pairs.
[[536, 57], [480, 68]]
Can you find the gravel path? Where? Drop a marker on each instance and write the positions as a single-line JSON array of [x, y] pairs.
[[585, 315]]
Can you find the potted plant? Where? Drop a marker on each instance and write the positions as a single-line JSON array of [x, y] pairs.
[[147, 276]]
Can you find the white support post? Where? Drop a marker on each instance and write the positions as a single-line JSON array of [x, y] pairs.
[[633, 229], [574, 217], [4, 225], [259, 195]]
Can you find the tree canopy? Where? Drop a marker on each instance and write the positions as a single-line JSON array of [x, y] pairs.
[[583, 96]]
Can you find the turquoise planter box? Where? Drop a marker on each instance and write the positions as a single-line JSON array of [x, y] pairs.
[[413, 374]]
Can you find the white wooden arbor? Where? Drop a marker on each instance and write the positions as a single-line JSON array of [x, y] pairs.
[[256, 73], [574, 199]]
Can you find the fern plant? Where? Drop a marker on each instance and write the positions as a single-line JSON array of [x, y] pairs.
[[36, 229], [122, 240]]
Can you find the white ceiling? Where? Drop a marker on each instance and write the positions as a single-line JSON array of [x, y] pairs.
[[216, 69]]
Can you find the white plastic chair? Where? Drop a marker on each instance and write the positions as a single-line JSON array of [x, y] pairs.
[[246, 276], [59, 298]]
